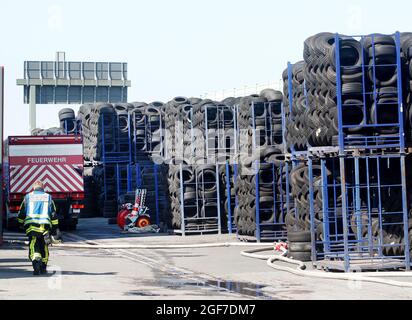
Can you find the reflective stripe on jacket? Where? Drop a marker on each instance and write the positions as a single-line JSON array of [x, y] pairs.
[[38, 208]]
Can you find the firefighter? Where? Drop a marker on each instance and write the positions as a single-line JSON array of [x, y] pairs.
[[38, 217]]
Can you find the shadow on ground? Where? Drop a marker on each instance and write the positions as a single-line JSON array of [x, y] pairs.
[[14, 273]]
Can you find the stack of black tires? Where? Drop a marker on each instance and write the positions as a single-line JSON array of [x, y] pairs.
[[147, 130], [406, 42], [186, 139], [270, 172], [116, 137], [296, 135], [69, 124], [260, 141]]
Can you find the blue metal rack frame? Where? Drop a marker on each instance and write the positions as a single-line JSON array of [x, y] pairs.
[[199, 222], [144, 145], [270, 121], [221, 142], [356, 214], [138, 179], [274, 228], [291, 118], [121, 150], [119, 182], [297, 159], [370, 141], [76, 129], [231, 201]]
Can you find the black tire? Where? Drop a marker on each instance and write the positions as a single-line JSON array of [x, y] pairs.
[[66, 111], [300, 247], [271, 95], [383, 51], [354, 88], [299, 236], [300, 256]]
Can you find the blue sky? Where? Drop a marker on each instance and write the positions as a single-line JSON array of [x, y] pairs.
[[176, 47]]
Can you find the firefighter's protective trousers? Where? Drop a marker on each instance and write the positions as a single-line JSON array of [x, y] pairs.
[[38, 215]]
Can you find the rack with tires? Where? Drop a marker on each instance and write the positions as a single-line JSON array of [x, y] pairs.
[[346, 97]]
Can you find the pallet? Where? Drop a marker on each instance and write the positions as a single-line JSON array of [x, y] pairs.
[[197, 230], [360, 265]]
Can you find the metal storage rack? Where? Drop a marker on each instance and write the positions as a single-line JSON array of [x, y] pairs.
[[268, 118], [150, 177], [271, 182], [221, 143], [201, 212], [270, 216], [116, 180], [115, 138], [379, 130], [147, 134], [365, 217]]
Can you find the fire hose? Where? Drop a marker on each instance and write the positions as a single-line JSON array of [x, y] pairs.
[[373, 277], [301, 270]]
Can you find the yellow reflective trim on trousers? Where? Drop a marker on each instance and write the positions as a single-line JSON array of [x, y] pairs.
[[20, 220], [55, 222], [32, 244], [46, 253]]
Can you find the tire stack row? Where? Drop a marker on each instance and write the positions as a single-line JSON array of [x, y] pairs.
[[263, 127], [295, 132], [272, 187], [186, 145], [369, 89], [116, 136], [104, 128], [406, 43], [91, 208], [68, 125], [147, 130], [200, 195], [319, 74], [383, 78]]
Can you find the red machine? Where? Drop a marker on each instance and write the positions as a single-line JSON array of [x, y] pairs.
[[55, 160], [134, 215]]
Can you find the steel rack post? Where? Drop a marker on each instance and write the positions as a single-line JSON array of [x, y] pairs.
[[258, 235], [219, 220], [358, 204], [229, 198], [339, 95], [312, 211], [325, 207], [405, 214], [155, 171], [182, 203], [400, 92]]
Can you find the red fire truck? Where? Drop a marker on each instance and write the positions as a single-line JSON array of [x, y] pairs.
[[55, 160]]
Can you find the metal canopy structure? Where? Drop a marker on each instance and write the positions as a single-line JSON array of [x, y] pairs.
[[61, 82]]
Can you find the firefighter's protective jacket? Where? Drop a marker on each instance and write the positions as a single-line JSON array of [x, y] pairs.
[[38, 213]]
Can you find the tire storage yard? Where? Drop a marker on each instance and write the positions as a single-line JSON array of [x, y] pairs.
[[275, 195]]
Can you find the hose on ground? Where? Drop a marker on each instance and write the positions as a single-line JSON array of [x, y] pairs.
[[300, 270], [153, 247], [96, 246], [270, 260]]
